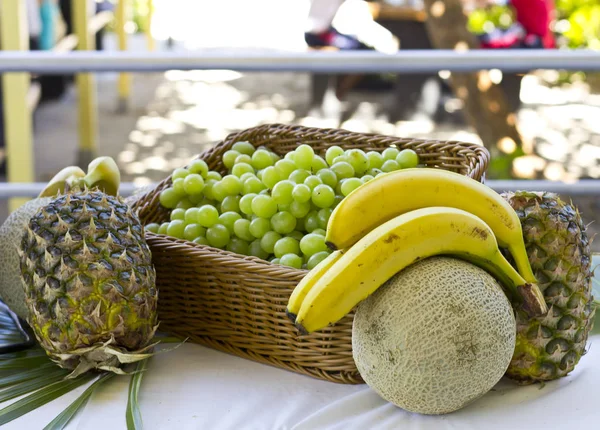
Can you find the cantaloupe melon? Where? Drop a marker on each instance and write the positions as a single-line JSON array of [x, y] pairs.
[[435, 337], [11, 287]]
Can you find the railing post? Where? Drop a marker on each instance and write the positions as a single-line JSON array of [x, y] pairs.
[[149, 39], [124, 84], [18, 132], [86, 87]]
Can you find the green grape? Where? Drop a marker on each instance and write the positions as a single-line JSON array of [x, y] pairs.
[[247, 176], [239, 169], [185, 203], [275, 261], [208, 216], [312, 181], [218, 191], [328, 177], [374, 172], [253, 186], [375, 160], [163, 228], [246, 204], [180, 172], [243, 147], [232, 185], [243, 159], [366, 178], [299, 210], [407, 159], [338, 199], [285, 168], [343, 170], [192, 231], [323, 216], [176, 228], [264, 206], [286, 245], [178, 187], [192, 216], [283, 208], [261, 159], [283, 222], [323, 196], [196, 199], [301, 193], [317, 164], [264, 192], [178, 213], [228, 219], [198, 166], [208, 187], [312, 243], [274, 157], [390, 154], [350, 185], [168, 198], [152, 227], [298, 235], [241, 228], [291, 260], [201, 240], [259, 227], [229, 158], [259, 174], [214, 175], [289, 156], [315, 259], [299, 176], [270, 177], [231, 204], [319, 231], [218, 236], [267, 242], [238, 246], [193, 184], [390, 166], [341, 159], [257, 251], [358, 160], [332, 152], [299, 224], [303, 157], [282, 192], [311, 222]]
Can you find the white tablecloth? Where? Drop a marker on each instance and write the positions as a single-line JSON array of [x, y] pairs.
[[195, 387]]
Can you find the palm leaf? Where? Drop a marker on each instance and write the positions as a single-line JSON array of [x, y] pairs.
[[31, 385], [65, 416], [41, 397], [15, 378], [133, 414]]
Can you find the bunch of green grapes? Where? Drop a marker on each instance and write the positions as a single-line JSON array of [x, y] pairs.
[[270, 207]]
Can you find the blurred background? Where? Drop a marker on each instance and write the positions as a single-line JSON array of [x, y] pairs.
[[539, 124]]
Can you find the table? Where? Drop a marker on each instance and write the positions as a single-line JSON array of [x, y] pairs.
[[194, 387]]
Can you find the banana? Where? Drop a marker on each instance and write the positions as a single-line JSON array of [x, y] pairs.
[[402, 191], [62, 180], [396, 244], [308, 282]]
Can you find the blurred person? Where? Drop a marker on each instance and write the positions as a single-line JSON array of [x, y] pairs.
[[530, 30]]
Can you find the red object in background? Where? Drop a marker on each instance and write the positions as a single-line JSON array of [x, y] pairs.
[[535, 17]]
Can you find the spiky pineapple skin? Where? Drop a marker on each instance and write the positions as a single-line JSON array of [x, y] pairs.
[[558, 249], [88, 276]]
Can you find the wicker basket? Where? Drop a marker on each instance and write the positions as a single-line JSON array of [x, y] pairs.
[[236, 303]]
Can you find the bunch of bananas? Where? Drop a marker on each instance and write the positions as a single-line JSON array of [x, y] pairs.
[[404, 216]]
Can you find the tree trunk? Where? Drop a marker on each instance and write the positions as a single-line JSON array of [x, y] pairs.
[[484, 102]]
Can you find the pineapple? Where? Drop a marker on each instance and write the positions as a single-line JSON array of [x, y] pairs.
[[549, 347], [89, 282]]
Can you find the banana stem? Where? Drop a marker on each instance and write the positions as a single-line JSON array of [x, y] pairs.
[[517, 287], [518, 253]]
